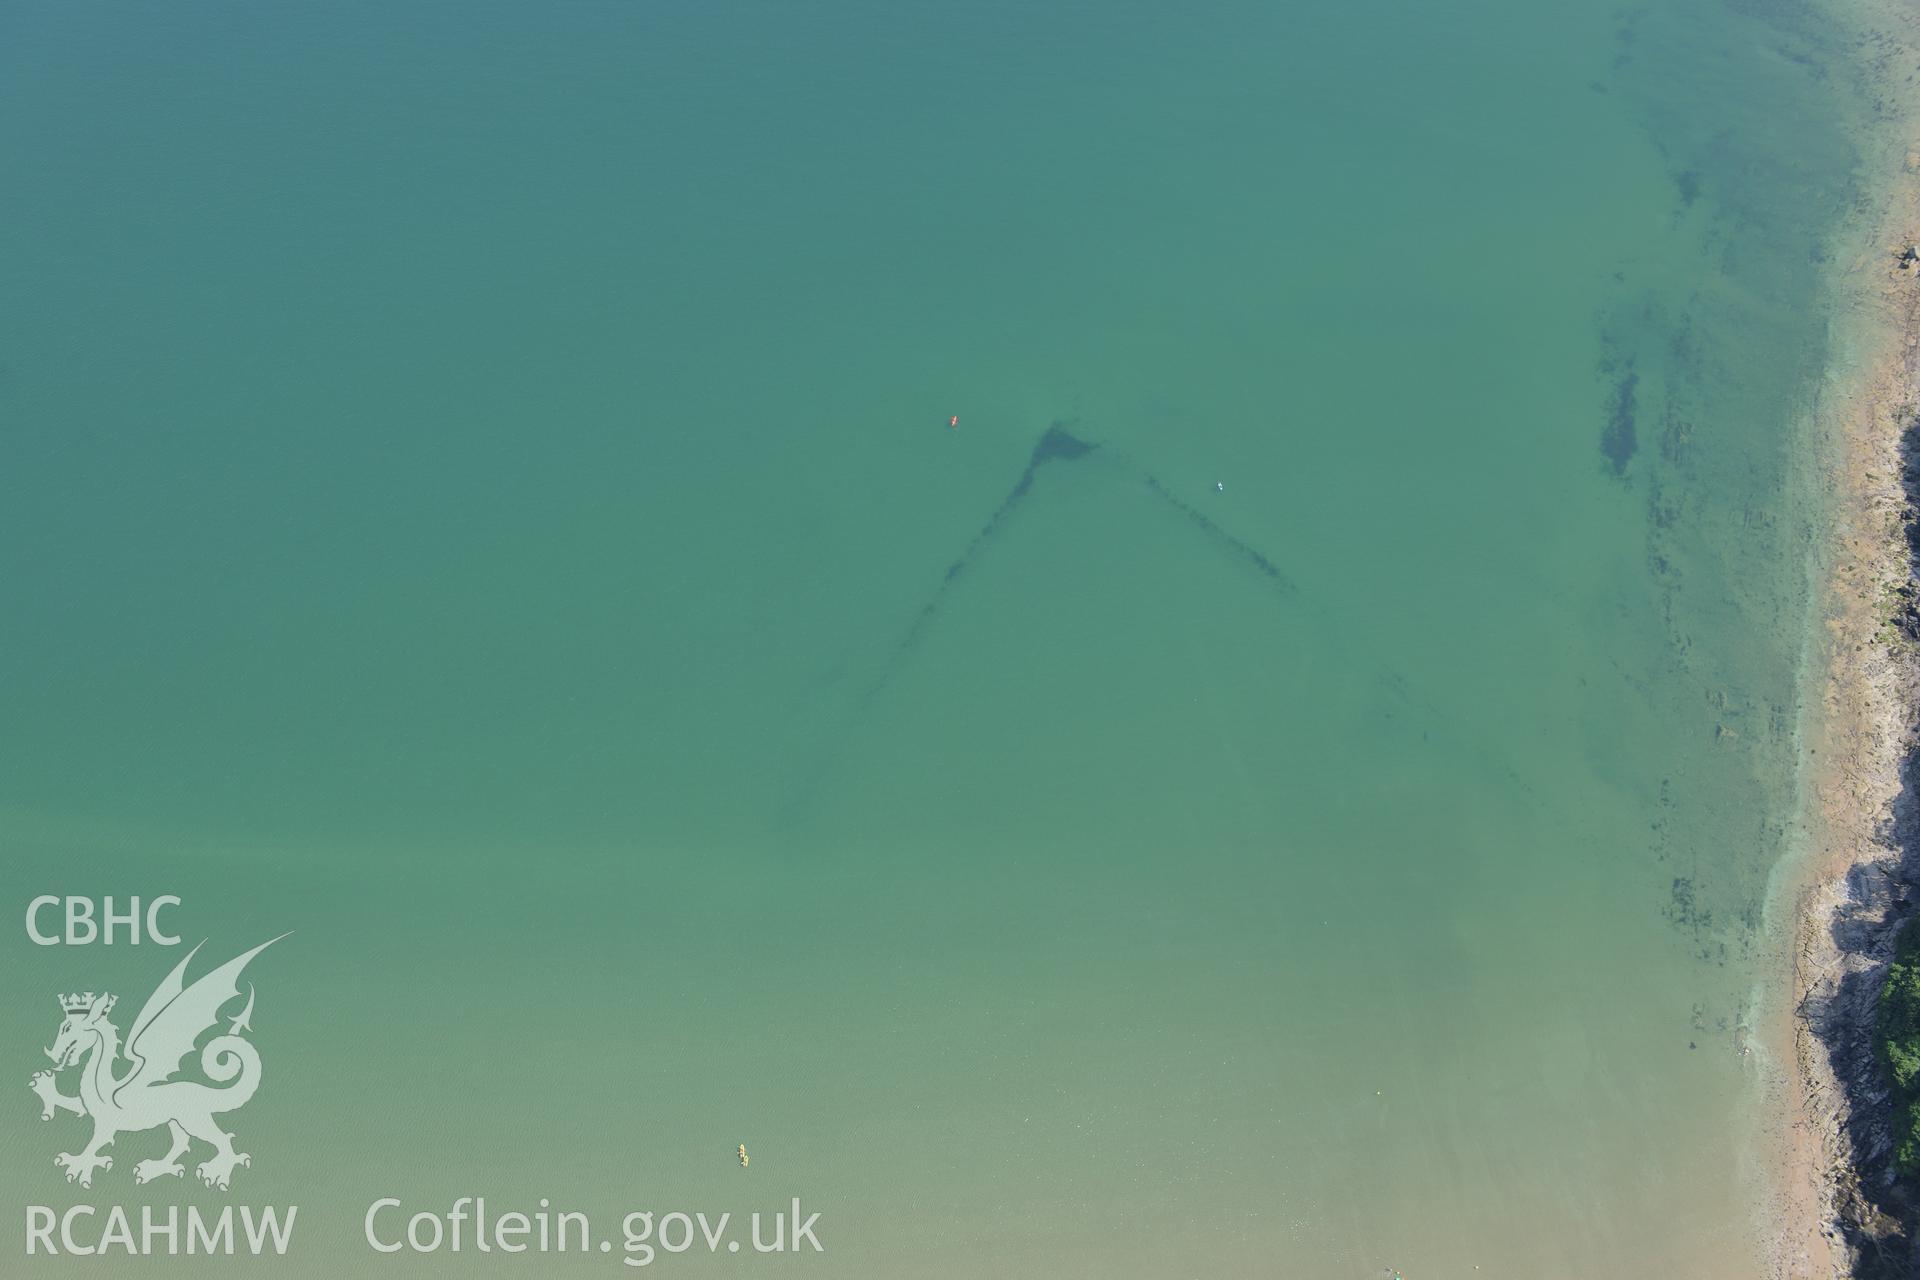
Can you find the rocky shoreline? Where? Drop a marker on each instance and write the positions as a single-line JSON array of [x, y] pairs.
[[1842, 1211]]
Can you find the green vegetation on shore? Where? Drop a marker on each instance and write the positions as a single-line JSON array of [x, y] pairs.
[[1897, 1045]]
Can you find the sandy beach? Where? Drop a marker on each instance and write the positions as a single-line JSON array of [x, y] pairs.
[[1850, 891]]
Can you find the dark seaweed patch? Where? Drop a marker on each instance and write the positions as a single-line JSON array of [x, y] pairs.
[[1620, 440], [1676, 437], [1689, 184], [1685, 910], [1681, 349]]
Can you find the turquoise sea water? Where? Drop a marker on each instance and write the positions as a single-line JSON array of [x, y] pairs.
[[479, 493]]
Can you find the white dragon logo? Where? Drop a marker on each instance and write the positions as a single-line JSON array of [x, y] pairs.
[[147, 1095]]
